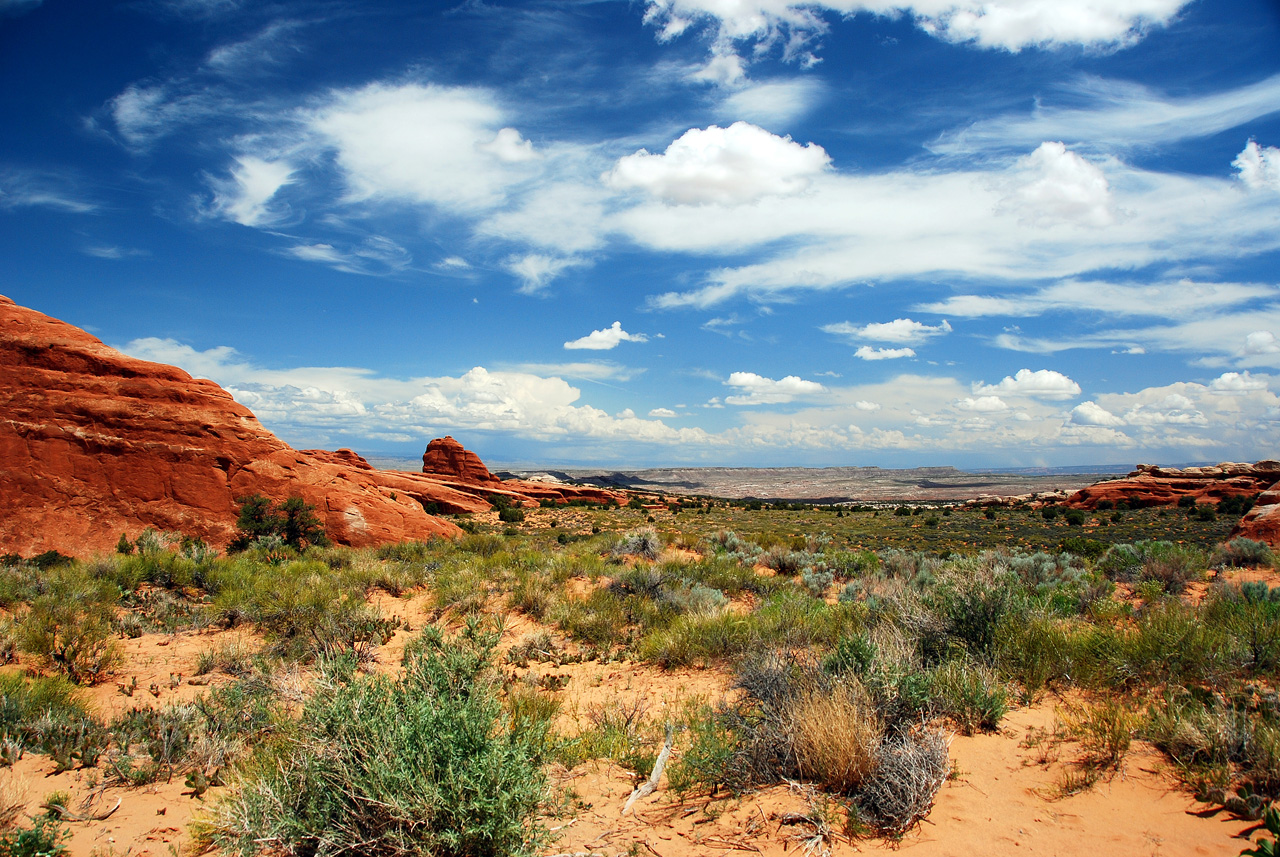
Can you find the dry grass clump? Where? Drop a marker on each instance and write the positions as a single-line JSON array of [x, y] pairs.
[[837, 734], [909, 771]]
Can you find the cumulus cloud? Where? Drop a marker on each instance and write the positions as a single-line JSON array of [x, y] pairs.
[[902, 331], [245, 198], [1260, 342], [982, 404], [1092, 414], [758, 390], [1258, 167], [1054, 185], [603, 340], [1237, 382], [662, 412], [1040, 384], [864, 405], [731, 166], [866, 352]]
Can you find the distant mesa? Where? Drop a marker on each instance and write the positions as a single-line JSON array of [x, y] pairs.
[[94, 443]]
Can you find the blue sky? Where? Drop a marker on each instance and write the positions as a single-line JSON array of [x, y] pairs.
[[661, 232]]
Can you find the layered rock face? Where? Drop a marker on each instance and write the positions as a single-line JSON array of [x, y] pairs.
[[94, 443], [462, 470], [1151, 485]]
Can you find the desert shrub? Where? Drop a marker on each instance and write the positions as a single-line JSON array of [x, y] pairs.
[[1170, 643], [70, 623], [599, 619], [1104, 731], [1241, 552], [970, 609], [1250, 613], [837, 734], [44, 838], [620, 732], [1085, 547], [908, 773], [787, 562], [422, 764], [644, 543], [45, 714], [705, 763], [411, 551], [511, 515], [816, 581], [970, 694], [1172, 565]]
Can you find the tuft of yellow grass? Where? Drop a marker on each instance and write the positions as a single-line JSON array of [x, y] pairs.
[[837, 735]]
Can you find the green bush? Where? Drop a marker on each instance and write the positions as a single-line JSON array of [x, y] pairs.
[[293, 521], [1241, 552], [423, 764]]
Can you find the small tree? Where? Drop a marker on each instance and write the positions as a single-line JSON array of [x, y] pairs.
[[293, 520]]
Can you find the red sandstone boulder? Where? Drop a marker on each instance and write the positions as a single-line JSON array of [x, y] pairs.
[[94, 443], [447, 461]]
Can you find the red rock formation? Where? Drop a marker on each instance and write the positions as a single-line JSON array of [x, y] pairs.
[[461, 469], [1151, 485], [446, 457], [1262, 522], [94, 443]]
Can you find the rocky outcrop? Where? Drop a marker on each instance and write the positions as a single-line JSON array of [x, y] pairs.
[[1151, 485], [445, 457], [462, 470], [94, 443], [1262, 522]]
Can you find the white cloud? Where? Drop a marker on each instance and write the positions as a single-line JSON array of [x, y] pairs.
[[900, 330], [603, 340], [1011, 25], [758, 390], [143, 114], [536, 270], [508, 146], [865, 228], [866, 352], [246, 196], [1260, 342], [1259, 167], [982, 404], [1041, 384], [110, 251], [729, 166], [1091, 414], [774, 102], [373, 256], [596, 370], [1111, 115], [421, 143], [27, 189], [1053, 185], [1237, 382], [864, 405], [1174, 300], [662, 412], [358, 401]]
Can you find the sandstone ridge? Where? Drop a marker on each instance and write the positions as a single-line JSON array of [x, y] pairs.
[[1152, 485], [94, 443]]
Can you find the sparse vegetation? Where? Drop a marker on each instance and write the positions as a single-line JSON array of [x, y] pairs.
[[858, 642]]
